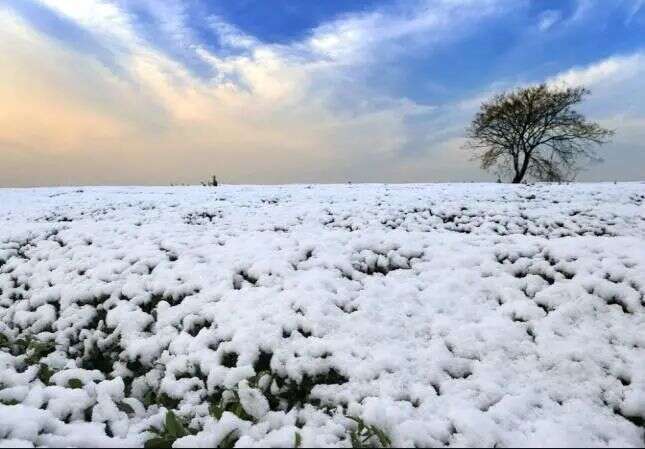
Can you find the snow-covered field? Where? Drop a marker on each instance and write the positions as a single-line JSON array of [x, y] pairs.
[[439, 315]]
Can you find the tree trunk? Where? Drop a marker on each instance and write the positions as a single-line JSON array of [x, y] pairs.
[[519, 174]]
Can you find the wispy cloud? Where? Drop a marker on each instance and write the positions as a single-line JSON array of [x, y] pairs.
[[548, 19], [421, 23], [637, 7]]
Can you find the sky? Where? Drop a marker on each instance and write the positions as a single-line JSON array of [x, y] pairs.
[[144, 92]]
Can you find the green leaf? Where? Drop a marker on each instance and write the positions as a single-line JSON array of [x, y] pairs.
[[149, 398], [42, 347], [364, 433], [38, 349], [357, 421], [157, 443], [356, 441], [166, 401], [125, 408], [382, 437], [45, 373], [237, 410], [75, 384], [255, 380], [22, 344], [298, 442], [216, 411], [229, 440], [173, 426]]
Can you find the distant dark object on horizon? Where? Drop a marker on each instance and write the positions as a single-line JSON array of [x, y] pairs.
[[534, 131], [212, 183]]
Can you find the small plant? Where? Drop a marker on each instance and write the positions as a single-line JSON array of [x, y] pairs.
[[172, 430], [160, 399], [75, 384], [229, 402], [45, 373], [366, 435], [4, 342], [229, 440], [34, 349]]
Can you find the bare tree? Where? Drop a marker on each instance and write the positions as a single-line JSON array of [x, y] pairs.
[[535, 131]]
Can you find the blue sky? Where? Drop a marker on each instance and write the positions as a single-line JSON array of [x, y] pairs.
[[295, 91]]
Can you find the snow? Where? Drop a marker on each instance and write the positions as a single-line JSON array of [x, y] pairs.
[[445, 315]]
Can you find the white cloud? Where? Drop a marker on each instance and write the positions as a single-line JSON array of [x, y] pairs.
[[548, 19], [230, 35], [102, 17], [608, 71], [617, 102]]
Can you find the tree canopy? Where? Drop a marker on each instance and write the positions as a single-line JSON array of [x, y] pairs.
[[535, 131]]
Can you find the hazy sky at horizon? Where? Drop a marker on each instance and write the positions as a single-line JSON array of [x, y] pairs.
[[96, 92]]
